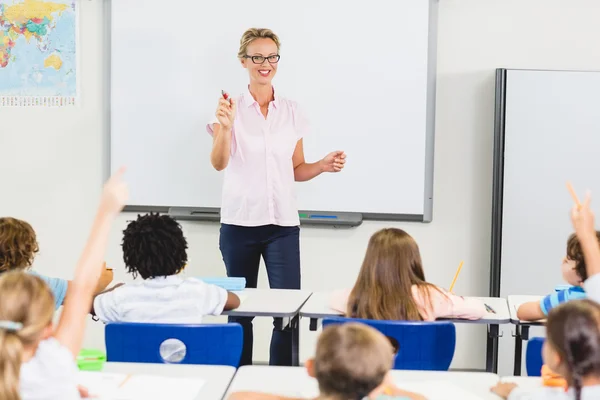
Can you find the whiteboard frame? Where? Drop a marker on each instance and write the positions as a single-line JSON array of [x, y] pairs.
[[501, 274], [427, 215]]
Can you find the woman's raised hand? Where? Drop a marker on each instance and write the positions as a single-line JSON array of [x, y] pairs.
[[226, 112]]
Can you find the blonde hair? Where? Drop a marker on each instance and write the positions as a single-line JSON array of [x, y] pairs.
[[24, 299], [18, 244], [256, 33], [352, 360]]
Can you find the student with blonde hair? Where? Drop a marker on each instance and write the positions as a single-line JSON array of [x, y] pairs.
[[352, 362], [258, 141], [391, 285], [36, 360], [18, 247]]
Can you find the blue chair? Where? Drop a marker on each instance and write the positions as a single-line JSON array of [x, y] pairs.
[[533, 356], [212, 344], [419, 345]]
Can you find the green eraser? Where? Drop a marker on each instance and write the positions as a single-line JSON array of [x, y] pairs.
[[91, 360]]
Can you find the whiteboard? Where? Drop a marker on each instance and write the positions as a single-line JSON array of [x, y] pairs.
[[362, 71], [551, 135]]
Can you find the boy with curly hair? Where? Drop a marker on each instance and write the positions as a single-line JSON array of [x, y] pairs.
[[155, 249], [18, 247]]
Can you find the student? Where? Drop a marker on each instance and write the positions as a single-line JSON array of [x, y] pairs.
[[391, 285], [571, 349], [18, 247], [583, 223], [573, 272], [352, 361], [155, 248], [36, 361]]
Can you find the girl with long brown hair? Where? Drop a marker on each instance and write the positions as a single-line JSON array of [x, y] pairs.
[[391, 285]]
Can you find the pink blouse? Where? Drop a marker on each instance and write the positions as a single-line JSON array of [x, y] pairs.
[[443, 304], [258, 187]]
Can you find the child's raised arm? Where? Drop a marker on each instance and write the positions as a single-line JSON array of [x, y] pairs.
[[71, 326], [582, 218]]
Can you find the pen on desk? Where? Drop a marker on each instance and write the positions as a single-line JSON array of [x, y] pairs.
[[489, 309], [125, 380], [456, 275]]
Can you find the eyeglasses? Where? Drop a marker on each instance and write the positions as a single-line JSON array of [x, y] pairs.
[[261, 59]]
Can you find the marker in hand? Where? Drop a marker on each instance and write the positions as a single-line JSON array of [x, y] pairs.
[[225, 96]]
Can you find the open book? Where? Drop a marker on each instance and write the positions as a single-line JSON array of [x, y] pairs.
[[108, 386]]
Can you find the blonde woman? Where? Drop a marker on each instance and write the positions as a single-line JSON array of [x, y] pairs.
[[257, 140], [37, 361]]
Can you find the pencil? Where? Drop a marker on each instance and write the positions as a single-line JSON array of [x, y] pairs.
[[456, 275], [125, 380], [574, 195]]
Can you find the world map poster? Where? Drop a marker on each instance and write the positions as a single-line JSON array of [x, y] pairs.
[[38, 53]]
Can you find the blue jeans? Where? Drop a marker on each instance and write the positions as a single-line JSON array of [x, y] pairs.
[[279, 246]]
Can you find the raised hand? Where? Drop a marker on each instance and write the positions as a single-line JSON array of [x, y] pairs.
[[225, 113], [582, 218], [115, 193]]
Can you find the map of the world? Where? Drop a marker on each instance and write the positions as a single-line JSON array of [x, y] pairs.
[[38, 52]]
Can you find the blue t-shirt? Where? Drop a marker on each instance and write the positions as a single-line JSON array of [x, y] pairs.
[[58, 287], [557, 298]]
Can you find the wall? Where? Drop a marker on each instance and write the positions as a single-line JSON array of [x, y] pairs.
[[53, 160]]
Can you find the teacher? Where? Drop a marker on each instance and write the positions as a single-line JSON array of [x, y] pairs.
[[257, 140]]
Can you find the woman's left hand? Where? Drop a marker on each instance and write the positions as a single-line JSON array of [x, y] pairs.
[[333, 162]]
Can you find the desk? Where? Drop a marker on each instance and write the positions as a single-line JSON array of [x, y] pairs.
[[477, 384], [521, 327], [276, 303], [217, 378], [317, 307], [527, 382], [295, 382]]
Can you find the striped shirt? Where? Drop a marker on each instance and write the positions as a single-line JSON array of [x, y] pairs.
[[557, 298]]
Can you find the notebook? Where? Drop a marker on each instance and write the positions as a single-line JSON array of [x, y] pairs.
[[108, 386], [230, 284]]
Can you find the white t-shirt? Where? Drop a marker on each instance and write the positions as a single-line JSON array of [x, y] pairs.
[[550, 393], [162, 300], [51, 374], [592, 287]]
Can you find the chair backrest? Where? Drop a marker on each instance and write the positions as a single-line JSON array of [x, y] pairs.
[[212, 344], [533, 356], [419, 345]]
